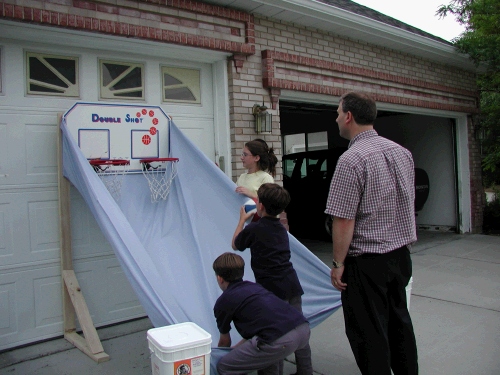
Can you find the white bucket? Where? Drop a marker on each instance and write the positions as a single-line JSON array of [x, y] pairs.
[[180, 349], [408, 292]]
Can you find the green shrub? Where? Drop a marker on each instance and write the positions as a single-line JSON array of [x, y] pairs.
[[491, 215]]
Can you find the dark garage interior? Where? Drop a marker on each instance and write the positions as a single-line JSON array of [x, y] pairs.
[[312, 146]]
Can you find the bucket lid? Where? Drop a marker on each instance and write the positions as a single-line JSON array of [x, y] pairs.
[[179, 336]]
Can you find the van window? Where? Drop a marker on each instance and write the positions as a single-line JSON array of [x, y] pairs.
[[306, 162], [317, 141]]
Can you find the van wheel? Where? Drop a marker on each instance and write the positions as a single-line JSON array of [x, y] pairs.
[[328, 226]]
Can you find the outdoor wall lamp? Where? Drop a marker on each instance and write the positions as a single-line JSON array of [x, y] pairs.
[[263, 119]]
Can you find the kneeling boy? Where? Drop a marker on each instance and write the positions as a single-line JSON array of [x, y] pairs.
[[271, 328]]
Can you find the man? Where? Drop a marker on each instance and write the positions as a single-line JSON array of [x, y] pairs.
[[371, 200], [271, 328]]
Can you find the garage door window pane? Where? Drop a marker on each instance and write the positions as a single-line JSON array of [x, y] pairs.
[[122, 80], [52, 75], [181, 85]]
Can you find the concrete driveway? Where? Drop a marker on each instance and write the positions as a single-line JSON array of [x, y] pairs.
[[455, 307]]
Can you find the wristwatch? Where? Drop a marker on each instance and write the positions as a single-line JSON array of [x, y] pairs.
[[337, 264]]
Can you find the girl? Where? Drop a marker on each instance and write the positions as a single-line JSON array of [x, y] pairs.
[[260, 162]]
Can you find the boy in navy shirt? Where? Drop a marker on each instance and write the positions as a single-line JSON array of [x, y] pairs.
[[269, 246], [270, 327]]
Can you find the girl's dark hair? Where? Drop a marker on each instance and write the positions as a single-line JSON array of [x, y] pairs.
[[229, 266], [267, 161]]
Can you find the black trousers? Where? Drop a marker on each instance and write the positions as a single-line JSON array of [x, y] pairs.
[[377, 321]]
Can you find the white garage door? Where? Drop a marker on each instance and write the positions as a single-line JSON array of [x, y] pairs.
[[30, 281]]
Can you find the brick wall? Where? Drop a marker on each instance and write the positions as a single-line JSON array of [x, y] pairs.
[[245, 90], [477, 196], [181, 22], [287, 38]]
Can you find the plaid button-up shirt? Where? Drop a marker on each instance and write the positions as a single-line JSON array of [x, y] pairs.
[[373, 184]]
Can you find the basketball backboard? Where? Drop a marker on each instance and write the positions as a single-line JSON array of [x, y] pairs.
[[119, 131]]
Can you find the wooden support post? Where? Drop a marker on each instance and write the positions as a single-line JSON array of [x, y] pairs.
[[91, 345], [73, 300]]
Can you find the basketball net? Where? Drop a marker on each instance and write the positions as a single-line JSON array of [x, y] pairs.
[[111, 173], [159, 173]]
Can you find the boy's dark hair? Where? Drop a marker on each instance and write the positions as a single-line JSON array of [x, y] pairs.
[[362, 107], [229, 266], [268, 160], [274, 198]]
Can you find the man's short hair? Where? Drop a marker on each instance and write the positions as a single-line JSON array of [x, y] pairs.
[[274, 198], [362, 107], [229, 266]]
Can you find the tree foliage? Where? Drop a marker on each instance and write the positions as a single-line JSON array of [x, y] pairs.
[[481, 41]]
